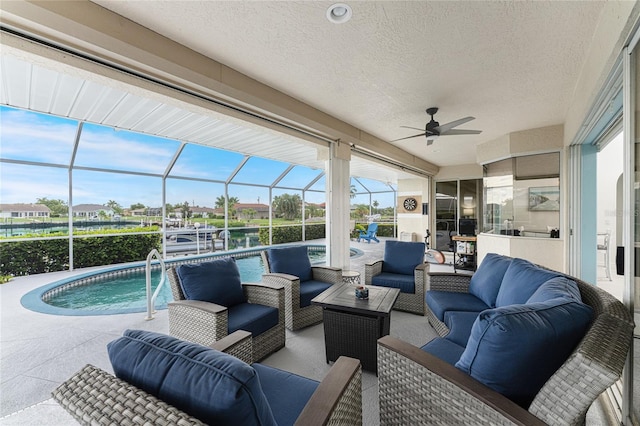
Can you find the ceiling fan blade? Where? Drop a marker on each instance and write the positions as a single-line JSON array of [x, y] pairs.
[[460, 132], [444, 127], [408, 137], [414, 128]]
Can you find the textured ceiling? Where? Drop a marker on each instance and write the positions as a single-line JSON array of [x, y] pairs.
[[512, 65]]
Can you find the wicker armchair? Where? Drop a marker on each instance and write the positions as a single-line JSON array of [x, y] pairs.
[[418, 388], [297, 315], [205, 322], [407, 301], [93, 396]]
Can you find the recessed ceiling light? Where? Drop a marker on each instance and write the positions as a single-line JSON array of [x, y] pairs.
[[339, 13]]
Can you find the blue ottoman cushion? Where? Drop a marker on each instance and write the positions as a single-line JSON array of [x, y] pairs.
[[216, 281], [291, 260], [310, 289], [210, 385], [287, 393], [251, 317], [485, 282], [442, 301], [406, 283], [520, 281], [402, 257], [515, 349], [444, 349]]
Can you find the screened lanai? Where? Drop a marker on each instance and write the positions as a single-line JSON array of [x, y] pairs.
[[152, 184]]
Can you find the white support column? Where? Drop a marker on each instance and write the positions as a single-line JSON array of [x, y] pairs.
[[338, 208]]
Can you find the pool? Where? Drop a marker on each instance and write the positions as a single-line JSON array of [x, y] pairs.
[[122, 289]]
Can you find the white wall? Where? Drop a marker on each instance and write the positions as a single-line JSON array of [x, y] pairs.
[[414, 222], [614, 26], [542, 251]]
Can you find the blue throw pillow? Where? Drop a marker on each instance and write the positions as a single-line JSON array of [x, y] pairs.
[[210, 385], [556, 287], [520, 281], [516, 349], [217, 281], [485, 282], [291, 260], [402, 257]]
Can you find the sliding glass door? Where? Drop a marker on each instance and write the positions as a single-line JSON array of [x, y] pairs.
[[455, 199]]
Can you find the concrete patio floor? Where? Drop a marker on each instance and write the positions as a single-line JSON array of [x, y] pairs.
[[39, 351]]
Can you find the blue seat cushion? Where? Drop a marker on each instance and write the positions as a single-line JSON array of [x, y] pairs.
[[251, 317], [287, 393], [290, 260], [402, 257], [310, 289], [556, 287], [216, 281], [520, 281], [406, 283], [516, 349], [485, 282], [444, 349], [442, 301], [459, 324], [212, 386]]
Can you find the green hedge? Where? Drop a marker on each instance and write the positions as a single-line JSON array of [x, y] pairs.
[[19, 258], [385, 230], [291, 234]]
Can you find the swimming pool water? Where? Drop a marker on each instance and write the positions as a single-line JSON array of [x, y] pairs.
[[129, 291]]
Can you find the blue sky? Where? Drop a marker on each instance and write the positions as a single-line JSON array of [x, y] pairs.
[[40, 138]]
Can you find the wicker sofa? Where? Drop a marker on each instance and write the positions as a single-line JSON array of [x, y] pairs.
[[421, 386], [221, 389]]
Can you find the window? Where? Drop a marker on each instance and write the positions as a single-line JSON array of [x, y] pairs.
[[522, 196]]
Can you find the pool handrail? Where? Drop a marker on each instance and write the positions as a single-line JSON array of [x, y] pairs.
[[151, 299]]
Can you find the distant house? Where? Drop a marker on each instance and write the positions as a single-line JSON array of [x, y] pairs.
[[204, 212], [320, 208], [23, 210], [251, 210], [91, 211]]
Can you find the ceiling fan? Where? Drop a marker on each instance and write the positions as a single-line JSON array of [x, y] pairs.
[[434, 129]]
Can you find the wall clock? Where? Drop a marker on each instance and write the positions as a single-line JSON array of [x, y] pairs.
[[410, 204]]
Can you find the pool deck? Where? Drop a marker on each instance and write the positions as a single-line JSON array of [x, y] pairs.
[[39, 351]]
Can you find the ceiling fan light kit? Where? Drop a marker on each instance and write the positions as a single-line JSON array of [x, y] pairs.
[[433, 129]]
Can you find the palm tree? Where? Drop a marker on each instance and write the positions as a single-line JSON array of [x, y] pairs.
[[220, 202], [250, 213], [232, 203], [375, 206], [287, 205], [113, 205], [186, 211]]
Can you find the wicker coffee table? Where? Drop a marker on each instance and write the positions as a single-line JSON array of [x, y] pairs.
[[352, 326]]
